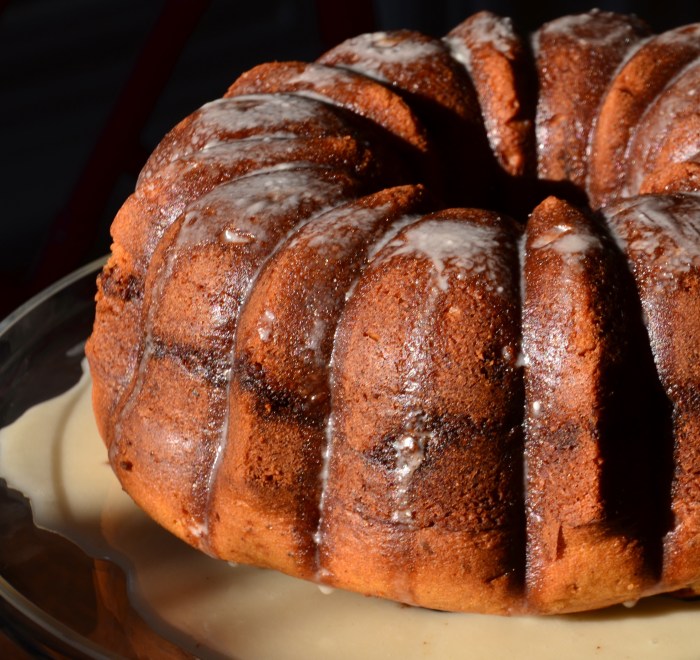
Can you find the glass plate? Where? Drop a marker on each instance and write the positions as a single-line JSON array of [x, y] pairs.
[[48, 602]]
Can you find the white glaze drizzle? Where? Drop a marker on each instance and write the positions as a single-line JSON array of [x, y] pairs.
[[252, 111], [360, 219], [460, 51], [665, 229], [313, 340], [409, 454], [484, 32], [323, 478], [318, 76], [265, 328], [370, 54], [262, 117], [585, 30], [453, 246], [567, 241], [411, 445], [457, 250], [523, 359]]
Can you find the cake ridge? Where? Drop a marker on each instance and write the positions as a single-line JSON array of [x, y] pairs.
[[675, 366], [583, 61], [224, 432], [321, 82], [259, 386], [658, 118], [608, 428], [423, 420], [506, 108], [244, 117], [636, 85], [322, 572]]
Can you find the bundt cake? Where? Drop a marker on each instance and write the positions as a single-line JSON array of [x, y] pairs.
[[314, 352]]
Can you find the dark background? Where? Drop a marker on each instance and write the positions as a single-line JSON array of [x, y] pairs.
[[88, 87]]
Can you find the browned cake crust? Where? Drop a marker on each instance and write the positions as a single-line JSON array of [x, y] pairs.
[[641, 79], [677, 177], [301, 362], [591, 436], [424, 496], [279, 388], [660, 235], [177, 398], [343, 88], [669, 132], [499, 63], [423, 72], [577, 57]]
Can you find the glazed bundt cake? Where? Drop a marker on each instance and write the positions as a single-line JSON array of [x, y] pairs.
[[314, 351]]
